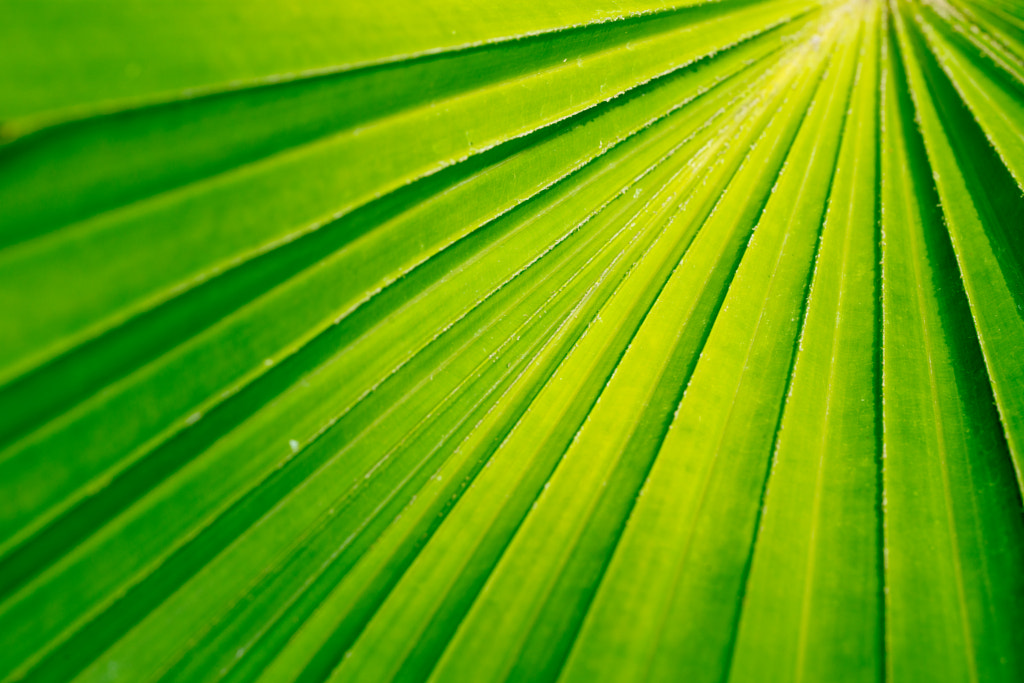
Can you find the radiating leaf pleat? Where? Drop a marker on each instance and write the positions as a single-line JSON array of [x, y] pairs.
[[494, 341], [820, 521], [952, 511]]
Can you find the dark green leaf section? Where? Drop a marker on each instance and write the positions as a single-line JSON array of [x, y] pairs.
[[468, 341]]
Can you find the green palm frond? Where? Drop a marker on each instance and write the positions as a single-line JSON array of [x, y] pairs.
[[509, 341]]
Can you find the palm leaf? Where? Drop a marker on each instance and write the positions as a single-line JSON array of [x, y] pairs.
[[499, 341]]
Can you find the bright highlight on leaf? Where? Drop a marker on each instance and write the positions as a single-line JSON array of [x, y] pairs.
[[509, 341]]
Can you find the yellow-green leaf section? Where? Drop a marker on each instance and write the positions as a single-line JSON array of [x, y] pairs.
[[599, 340]]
